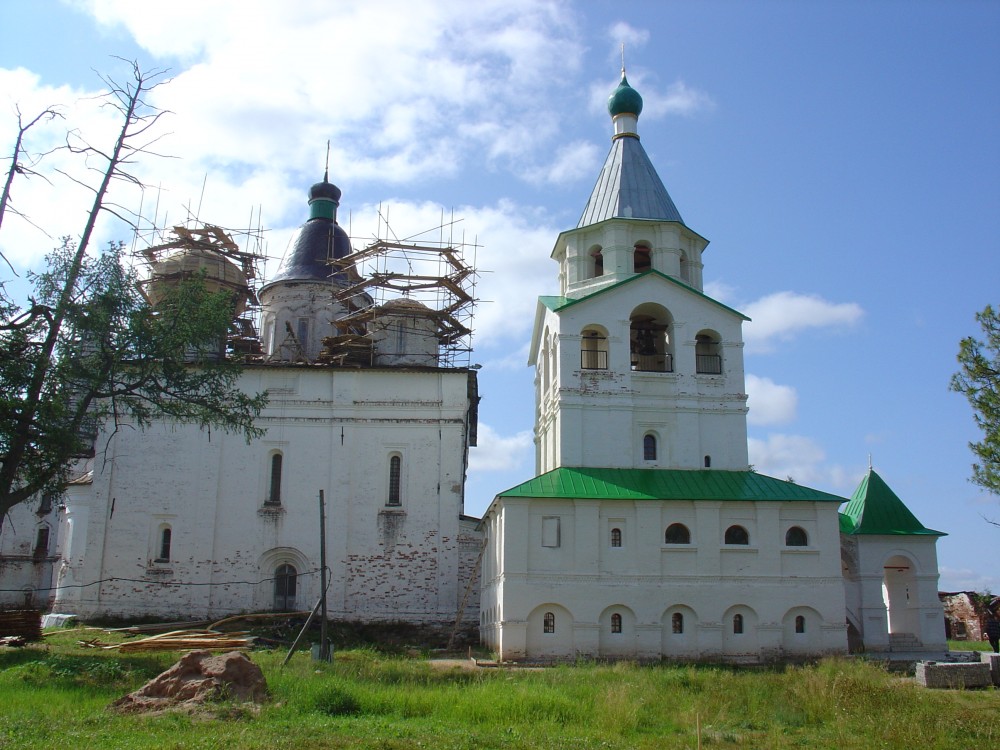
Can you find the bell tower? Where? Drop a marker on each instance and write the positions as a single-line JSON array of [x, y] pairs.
[[635, 366]]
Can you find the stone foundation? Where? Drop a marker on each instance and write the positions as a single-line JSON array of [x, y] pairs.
[[940, 675], [993, 660]]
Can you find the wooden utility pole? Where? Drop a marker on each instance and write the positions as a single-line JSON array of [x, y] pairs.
[[324, 643]]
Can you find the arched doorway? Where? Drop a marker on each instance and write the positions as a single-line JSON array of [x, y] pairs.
[[284, 587], [900, 594]]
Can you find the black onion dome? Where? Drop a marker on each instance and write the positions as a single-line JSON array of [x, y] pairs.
[[316, 243], [325, 189]]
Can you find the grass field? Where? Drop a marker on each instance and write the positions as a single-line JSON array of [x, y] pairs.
[[55, 695]]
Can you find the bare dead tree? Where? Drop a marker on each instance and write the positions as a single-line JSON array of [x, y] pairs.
[[21, 163], [132, 359]]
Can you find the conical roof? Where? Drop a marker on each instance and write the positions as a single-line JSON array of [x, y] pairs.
[[628, 186], [875, 509]]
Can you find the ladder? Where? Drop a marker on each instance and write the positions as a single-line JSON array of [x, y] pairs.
[[465, 596]]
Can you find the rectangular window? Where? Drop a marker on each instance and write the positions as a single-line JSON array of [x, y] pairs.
[[550, 531]]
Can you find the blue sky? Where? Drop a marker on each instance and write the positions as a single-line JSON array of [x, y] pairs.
[[841, 157]]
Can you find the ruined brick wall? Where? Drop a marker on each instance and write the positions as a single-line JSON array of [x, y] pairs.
[[963, 619]]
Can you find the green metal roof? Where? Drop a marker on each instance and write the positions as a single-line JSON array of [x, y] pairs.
[[875, 509], [556, 303], [664, 484]]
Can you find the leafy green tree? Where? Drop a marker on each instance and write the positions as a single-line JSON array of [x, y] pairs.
[[89, 349], [979, 380]]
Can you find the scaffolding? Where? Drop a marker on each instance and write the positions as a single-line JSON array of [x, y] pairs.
[[203, 242], [435, 274]]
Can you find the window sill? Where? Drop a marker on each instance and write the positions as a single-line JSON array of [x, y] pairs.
[[680, 547], [159, 569], [270, 509]]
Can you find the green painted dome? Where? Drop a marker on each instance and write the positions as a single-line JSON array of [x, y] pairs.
[[624, 100]]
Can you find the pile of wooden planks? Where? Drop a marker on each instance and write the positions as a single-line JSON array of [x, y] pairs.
[[25, 624], [179, 640]]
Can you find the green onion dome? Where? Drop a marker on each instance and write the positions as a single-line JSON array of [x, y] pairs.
[[624, 100]]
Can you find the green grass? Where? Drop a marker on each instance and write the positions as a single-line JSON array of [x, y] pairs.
[[969, 646], [56, 695]]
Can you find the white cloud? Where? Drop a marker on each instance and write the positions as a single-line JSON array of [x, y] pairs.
[[623, 33], [496, 452], [571, 163], [769, 402], [393, 84], [783, 315], [802, 459], [677, 99], [964, 579], [719, 290]]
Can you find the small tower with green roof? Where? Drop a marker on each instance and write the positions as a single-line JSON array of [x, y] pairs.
[[890, 571]]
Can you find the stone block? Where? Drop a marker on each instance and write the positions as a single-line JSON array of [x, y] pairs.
[[988, 657], [942, 675]]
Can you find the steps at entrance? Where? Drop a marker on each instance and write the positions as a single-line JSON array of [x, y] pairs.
[[904, 642]]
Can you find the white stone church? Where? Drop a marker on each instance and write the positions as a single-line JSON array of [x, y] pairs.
[[180, 522], [645, 534]]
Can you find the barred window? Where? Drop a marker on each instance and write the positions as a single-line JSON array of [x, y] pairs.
[[395, 467]]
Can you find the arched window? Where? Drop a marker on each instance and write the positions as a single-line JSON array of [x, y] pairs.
[[650, 342], [616, 623], [42, 542], [593, 350], [46, 502], [800, 624], [616, 537], [395, 466], [737, 535], [649, 447], [274, 488], [285, 577], [302, 334], [549, 623], [737, 624], [164, 551], [677, 622], [641, 260], [708, 462], [796, 537], [597, 263], [685, 268], [708, 354], [677, 533]]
